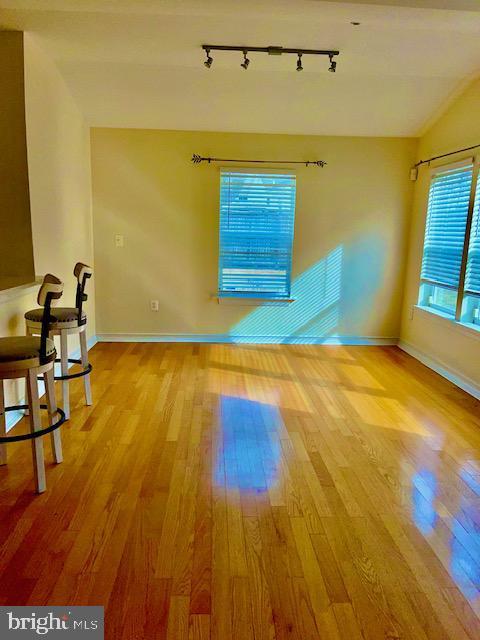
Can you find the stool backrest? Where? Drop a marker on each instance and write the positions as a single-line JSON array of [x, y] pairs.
[[82, 272], [51, 289]]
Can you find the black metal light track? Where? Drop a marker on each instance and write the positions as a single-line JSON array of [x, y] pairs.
[[272, 51]]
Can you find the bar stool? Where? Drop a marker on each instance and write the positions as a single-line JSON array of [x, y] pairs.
[[63, 322], [28, 357]]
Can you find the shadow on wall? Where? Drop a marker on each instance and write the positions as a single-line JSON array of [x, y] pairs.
[[313, 314]]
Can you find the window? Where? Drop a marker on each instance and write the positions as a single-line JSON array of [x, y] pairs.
[[257, 212], [450, 278], [471, 311]]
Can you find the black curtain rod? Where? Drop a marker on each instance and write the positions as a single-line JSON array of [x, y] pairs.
[[445, 155], [196, 159]]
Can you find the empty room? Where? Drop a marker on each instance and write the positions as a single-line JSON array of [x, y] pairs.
[[240, 319]]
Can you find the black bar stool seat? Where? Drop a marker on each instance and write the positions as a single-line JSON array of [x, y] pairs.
[[21, 351], [58, 316]]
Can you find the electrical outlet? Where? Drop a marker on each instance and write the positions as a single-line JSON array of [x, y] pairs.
[[153, 305], [119, 241]]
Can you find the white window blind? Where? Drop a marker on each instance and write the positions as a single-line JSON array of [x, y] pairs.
[[257, 212], [472, 279], [446, 224]]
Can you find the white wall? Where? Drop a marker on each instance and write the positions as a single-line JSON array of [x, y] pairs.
[[349, 248], [444, 343]]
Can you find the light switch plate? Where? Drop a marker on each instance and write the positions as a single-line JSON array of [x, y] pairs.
[[119, 240]]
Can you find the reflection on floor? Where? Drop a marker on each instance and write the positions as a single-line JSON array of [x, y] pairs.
[[424, 495], [255, 492], [250, 456], [464, 540]]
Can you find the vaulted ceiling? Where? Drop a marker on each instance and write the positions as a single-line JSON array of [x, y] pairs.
[[138, 63]]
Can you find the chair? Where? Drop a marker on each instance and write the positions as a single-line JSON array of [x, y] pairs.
[[63, 322], [28, 357]]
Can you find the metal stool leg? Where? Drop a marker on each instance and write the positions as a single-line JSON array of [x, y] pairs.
[[36, 425], [84, 356], [55, 437], [64, 366], [28, 332], [3, 426]]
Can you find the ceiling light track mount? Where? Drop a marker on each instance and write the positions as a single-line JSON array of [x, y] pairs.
[[271, 51]]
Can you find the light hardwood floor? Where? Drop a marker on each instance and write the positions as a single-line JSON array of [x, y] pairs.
[[240, 492]]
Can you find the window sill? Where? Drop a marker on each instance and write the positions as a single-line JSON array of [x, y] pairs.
[[469, 329], [20, 290], [251, 301]]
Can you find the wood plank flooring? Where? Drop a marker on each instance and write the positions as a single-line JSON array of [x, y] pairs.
[[255, 492]]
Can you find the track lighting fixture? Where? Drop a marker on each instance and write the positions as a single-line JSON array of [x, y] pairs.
[[272, 51], [209, 60], [246, 61]]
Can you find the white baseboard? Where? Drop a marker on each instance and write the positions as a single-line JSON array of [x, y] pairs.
[[12, 417], [454, 376], [230, 339]]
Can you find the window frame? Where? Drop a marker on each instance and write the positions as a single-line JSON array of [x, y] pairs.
[[428, 288], [466, 242], [252, 296]]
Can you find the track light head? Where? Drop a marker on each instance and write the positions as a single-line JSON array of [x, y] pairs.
[[208, 62], [299, 62], [246, 61], [333, 65]]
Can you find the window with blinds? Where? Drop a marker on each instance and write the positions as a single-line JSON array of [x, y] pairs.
[[257, 212], [446, 224], [472, 277], [450, 277]]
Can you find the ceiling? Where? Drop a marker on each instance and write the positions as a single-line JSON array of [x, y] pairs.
[[138, 63]]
